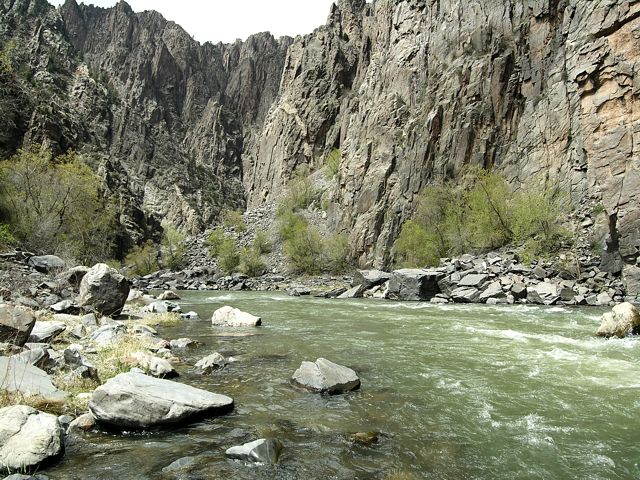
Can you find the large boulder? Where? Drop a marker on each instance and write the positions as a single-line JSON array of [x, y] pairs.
[[264, 450], [28, 438], [104, 290], [623, 320], [324, 376], [135, 400], [233, 317], [46, 263], [73, 277], [24, 379], [16, 324], [414, 284], [370, 278]]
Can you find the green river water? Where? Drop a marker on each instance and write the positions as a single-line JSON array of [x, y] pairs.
[[456, 392]]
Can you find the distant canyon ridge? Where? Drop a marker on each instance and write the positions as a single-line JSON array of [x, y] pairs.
[[409, 92]]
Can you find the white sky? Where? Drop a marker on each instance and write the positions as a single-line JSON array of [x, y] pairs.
[[227, 20]]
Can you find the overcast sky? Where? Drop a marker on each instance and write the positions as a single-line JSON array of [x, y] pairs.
[[227, 20]]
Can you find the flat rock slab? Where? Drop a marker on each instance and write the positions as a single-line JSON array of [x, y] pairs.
[[324, 376], [46, 263], [16, 324], [44, 332], [28, 438], [233, 317], [135, 400], [25, 379], [264, 450]]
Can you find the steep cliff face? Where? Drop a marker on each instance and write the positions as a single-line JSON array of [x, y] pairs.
[[413, 90], [163, 117], [410, 91]]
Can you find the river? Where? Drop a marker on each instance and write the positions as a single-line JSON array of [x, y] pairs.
[[456, 392]]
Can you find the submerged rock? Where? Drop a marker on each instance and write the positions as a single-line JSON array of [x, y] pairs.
[[28, 438], [324, 376], [264, 450], [623, 320], [211, 363], [135, 400], [104, 290], [233, 317]]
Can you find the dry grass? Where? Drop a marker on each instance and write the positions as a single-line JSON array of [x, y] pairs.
[[10, 399], [169, 319], [115, 359]]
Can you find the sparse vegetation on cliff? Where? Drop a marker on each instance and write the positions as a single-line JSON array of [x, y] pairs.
[[480, 214]]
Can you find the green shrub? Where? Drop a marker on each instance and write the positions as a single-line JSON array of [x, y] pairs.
[[261, 243], [301, 193], [143, 259], [336, 250], [251, 262], [233, 219], [6, 237], [289, 224], [173, 248], [332, 163], [416, 247], [215, 240], [479, 214], [597, 210], [54, 205], [304, 249], [228, 256]]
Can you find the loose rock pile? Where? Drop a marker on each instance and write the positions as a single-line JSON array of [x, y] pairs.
[[493, 279]]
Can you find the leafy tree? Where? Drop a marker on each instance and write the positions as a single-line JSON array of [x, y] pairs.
[[6, 237], [173, 248], [143, 259], [54, 205], [261, 243], [215, 240], [416, 247], [336, 253], [304, 250]]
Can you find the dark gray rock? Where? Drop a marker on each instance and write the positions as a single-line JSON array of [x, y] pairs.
[[474, 280], [324, 376], [370, 278], [16, 324], [134, 400], [46, 263], [466, 295], [414, 284], [28, 438], [104, 290], [259, 451], [354, 292]]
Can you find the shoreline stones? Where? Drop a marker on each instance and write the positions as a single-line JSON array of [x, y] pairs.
[[28, 438], [324, 376], [233, 317], [135, 400]]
